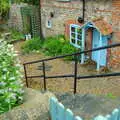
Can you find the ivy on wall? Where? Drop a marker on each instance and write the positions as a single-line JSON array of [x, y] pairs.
[[31, 20], [32, 2]]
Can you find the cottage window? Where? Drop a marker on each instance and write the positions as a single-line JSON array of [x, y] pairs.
[[49, 24], [63, 0], [75, 35]]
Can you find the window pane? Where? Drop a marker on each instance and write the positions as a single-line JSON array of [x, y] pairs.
[[78, 42], [72, 29], [79, 31], [73, 35], [73, 41], [79, 37]]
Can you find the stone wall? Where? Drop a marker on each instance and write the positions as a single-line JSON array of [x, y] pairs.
[[15, 17]]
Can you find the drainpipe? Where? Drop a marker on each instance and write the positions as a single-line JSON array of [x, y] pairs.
[[40, 16], [83, 11]]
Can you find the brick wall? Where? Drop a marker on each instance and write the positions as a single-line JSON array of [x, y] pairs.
[[115, 52], [65, 11], [62, 12]]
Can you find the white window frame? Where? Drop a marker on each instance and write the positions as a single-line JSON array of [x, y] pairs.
[[76, 36], [49, 25]]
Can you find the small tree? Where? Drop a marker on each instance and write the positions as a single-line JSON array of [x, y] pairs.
[[4, 7]]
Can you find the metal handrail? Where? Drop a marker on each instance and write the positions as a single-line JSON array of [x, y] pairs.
[[73, 54], [75, 76]]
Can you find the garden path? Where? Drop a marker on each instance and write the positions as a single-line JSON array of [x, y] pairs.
[[107, 86]]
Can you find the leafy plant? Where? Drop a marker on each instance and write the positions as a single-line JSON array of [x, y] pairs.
[[10, 78], [4, 7], [68, 49], [15, 35], [33, 2], [32, 45], [110, 95], [52, 46]]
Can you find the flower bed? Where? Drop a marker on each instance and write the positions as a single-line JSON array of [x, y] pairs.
[[10, 78]]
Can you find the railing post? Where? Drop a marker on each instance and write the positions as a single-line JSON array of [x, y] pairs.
[[75, 75], [44, 76], [25, 75]]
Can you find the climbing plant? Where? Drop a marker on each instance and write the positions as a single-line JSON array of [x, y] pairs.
[[33, 2]]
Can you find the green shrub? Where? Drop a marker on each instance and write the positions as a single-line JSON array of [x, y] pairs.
[[31, 45], [10, 78], [15, 35], [68, 49], [57, 45], [52, 47], [111, 96]]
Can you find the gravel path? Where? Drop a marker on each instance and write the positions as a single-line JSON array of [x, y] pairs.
[[59, 67]]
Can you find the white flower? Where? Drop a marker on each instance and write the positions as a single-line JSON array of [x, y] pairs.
[[9, 46], [15, 55], [2, 83], [3, 63], [9, 89], [21, 91], [1, 91], [13, 96], [7, 100], [18, 65], [21, 98], [12, 78], [4, 77], [5, 69]]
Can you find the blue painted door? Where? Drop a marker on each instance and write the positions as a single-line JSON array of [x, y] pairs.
[[103, 53], [95, 44]]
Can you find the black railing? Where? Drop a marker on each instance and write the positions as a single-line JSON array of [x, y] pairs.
[[75, 76]]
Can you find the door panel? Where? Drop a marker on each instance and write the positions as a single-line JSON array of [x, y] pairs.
[[103, 53], [95, 44]]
